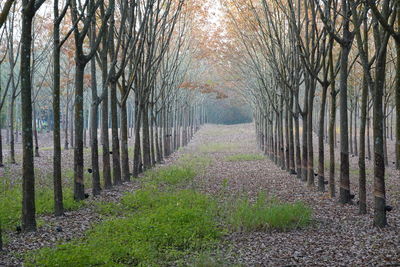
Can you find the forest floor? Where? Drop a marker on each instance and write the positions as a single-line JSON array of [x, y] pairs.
[[337, 236]]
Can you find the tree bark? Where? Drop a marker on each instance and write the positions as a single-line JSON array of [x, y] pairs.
[[28, 174], [58, 195], [79, 188]]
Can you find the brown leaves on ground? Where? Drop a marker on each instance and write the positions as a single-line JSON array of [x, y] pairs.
[[338, 236]]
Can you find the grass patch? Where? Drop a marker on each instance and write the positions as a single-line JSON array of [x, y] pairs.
[[184, 171], [268, 215], [158, 227], [172, 175], [216, 147], [11, 197], [162, 225], [11, 204], [207, 259], [245, 157]]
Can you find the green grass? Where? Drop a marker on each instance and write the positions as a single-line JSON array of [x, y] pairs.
[[171, 176], [147, 228], [245, 157], [11, 204], [11, 196], [183, 171], [165, 225], [266, 215], [214, 259], [157, 227], [216, 147]]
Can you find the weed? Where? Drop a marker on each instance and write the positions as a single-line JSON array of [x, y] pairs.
[[268, 215], [158, 227]]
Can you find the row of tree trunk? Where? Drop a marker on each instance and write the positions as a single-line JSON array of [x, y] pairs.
[[303, 51]]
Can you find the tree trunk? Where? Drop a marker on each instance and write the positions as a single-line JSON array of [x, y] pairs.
[[321, 148], [397, 98], [1, 145], [310, 158], [79, 188], [104, 126], [94, 143], [361, 158], [35, 134], [28, 174], [297, 138], [146, 138], [355, 127], [378, 131], [137, 149], [344, 126], [351, 132], [57, 180], [11, 130], [124, 143], [115, 137], [72, 126], [66, 127]]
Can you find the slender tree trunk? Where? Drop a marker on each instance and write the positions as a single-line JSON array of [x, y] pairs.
[[351, 132], [115, 137], [11, 129], [146, 138], [124, 143], [66, 127], [1, 145], [96, 185], [94, 143], [297, 138], [57, 180], [35, 134], [291, 138], [321, 148], [355, 127], [378, 131], [397, 98], [385, 153], [344, 126], [137, 150], [369, 135], [310, 178], [304, 161], [332, 130], [361, 158], [287, 141], [28, 174], [104, 124], [79, 188], [71, 128]]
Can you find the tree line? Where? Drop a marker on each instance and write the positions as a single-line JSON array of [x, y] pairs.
[[304, 63], [117, 67]]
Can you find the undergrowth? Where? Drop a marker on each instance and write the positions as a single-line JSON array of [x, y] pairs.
[[147, 228], [11, 204], [165, 224], [268, 215]]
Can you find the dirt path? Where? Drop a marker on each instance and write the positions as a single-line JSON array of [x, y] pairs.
[[338, 236]]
